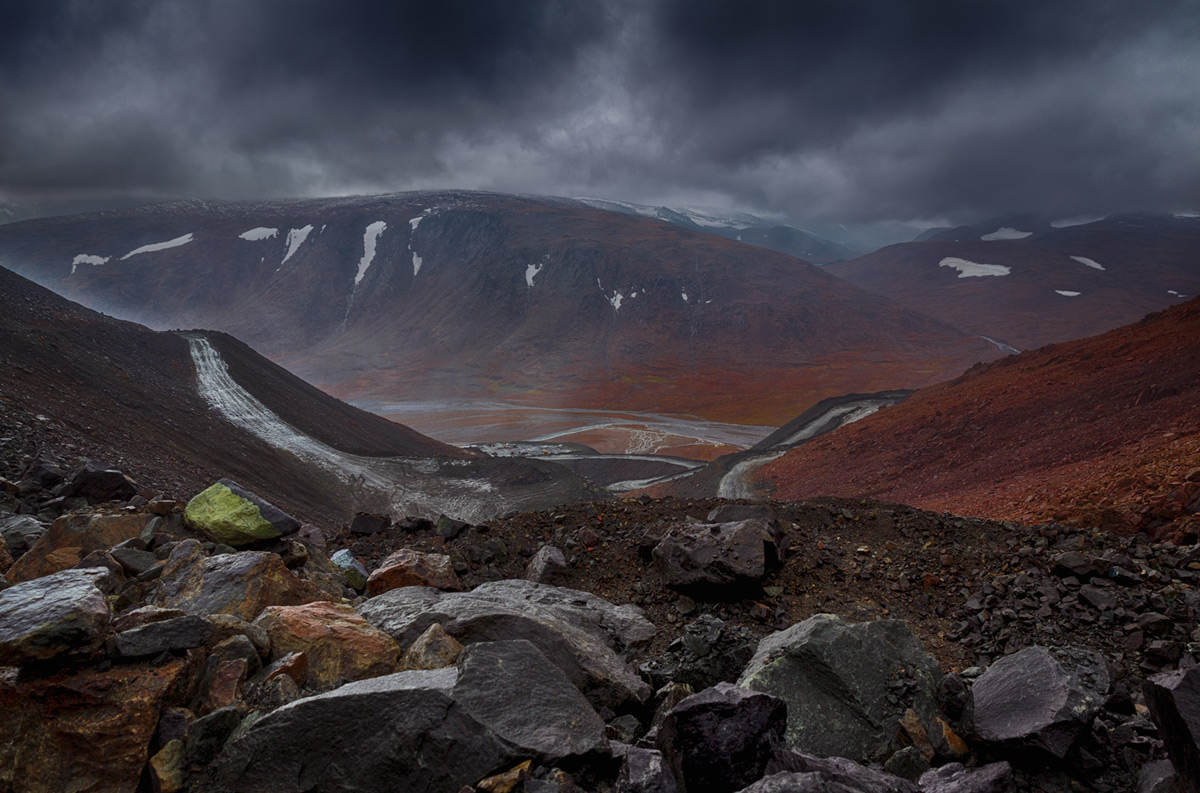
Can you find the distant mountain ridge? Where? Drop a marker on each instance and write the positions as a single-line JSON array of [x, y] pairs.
[[1026, 283], [479, 295]]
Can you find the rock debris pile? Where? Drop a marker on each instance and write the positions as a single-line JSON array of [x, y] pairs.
[[217, 644]]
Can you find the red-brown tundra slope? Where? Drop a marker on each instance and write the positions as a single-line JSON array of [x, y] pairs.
[[1101, 431]]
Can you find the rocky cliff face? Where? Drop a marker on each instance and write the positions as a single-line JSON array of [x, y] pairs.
[[1026, 284], [453, 294]]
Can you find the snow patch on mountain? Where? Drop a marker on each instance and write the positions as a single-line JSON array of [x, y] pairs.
[[370, 238], [683, 294], [1089, 262], [531, 272], [295, 239], [260, 233], [1066, 293], [1006, 233], [159, 246], [416, 261], [616, 299], [87, 258], [969, 269]]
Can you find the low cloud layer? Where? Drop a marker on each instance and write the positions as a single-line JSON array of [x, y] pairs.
[[831, 110]]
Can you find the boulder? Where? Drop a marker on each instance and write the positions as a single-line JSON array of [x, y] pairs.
[[407, 567], [352, 569], [548, 566], [1159, 776], [571, 636], [179, 633], [71, 538], [721, 739], [716, 558], [643, 771], [433, 649], [65, 612], [797, 771], [99, 482], [20, 532], [366, 523], [241, 584], [42, 474], [524, 699], [1039, 699], [953, 778], [707, 652], [6, 559], [1174, 701], [445, 729], [86, 731], [340, 645], [625, 628], [235, 516], [848, 686]]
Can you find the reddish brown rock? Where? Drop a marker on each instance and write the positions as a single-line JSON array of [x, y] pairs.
[[340, 645], [241, 584], [433, 649], [70, 539], [6, 560], [407, 567], [88, 731], [222, 685]]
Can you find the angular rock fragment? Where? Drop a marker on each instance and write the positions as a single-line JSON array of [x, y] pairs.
[[99, 482], [352, 569], [716, 557], [72, 537], [847, 685], [433, 649], [94, 727], [406, 567], [791, 771], [643, 771], [953, 778], [340, 645], [1039, 698], [367, 523], [65, 612], [548, 566], [20, 532], [180, 633], [1174, 700], [235, 516], [722, 738], [241, 584]]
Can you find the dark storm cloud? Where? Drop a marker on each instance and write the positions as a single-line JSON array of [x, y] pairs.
[[849, 109]]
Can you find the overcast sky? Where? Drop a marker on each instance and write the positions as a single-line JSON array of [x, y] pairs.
[[835, 109]]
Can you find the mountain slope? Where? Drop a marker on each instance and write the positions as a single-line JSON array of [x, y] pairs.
[[1029, 284], [540, 301], [76, 383], [1104, 430]]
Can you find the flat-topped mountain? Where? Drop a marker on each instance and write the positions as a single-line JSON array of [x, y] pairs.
[[542, 301]]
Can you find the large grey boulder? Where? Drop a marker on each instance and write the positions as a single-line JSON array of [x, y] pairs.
[[847, 685], [576, 635], [716, 558], [521, 697], [60, 613], [178, 633], [419, 731], [722, 738], [1174, 701], [1038, 699]]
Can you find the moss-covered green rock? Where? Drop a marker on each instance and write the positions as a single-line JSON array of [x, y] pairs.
[[233, 515]]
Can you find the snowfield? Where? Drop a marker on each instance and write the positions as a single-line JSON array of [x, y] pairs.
[[260, 233], [969, 269], [370, 238], [1005, 233], [1066, 293], [159, 246], [1089, 262]]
